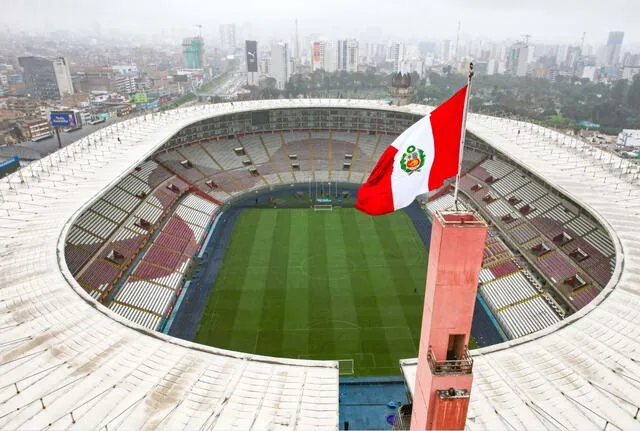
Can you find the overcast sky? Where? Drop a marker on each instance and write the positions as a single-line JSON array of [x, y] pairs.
[[545, 20]]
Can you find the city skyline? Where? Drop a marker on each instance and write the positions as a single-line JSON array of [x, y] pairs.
[[406, 20]]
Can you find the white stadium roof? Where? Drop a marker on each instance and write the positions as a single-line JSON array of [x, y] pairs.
[[67, 362]]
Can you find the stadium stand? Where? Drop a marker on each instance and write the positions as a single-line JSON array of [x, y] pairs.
[[155, 283], [512, 293], [526, 212], [118, 226], [68, 362], [320, 157]]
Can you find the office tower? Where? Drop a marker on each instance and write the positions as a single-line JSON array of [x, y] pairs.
[[518, 59], [193, 52], [348, 55], [228, 37], [280, 64], [612, 49], [324, 56], [46, 78], [397, 54]]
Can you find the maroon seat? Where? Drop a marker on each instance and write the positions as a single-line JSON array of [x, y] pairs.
[[583, 296], [514, 200], [556, 266]]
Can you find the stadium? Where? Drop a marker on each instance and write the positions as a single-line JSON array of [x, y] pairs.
[[99, 330]]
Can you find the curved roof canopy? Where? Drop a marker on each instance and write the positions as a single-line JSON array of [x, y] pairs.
[[68, 362]]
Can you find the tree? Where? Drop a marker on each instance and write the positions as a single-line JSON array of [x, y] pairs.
[[619, 91], [633, 95], [267, 82]]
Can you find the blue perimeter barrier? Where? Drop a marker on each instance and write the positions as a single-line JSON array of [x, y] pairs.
[[185, 318], [169, 322]]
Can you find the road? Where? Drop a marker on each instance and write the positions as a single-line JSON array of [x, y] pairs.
[[228, 89], [50, 145]]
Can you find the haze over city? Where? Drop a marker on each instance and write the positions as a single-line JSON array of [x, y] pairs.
[[337, 215], [545, 20]]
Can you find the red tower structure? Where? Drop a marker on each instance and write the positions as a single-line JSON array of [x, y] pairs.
[[443, 378]]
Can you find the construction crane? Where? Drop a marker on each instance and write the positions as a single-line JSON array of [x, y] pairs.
[[526, 38], [455, 58], [584, 34], [199, 27], [580, 56]]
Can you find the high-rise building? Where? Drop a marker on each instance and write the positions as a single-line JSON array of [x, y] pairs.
[[125, 83], [348, 55], [589, 72], [63, 76], [446, 50], [397, 54], [280, 64], [193, 52], [518, 59], [561, 54], [125, 78], [46, 78], [317, 51], [228, 37], [612, 49], [296, 43], [631, 60], [573, 56], [324, 56]]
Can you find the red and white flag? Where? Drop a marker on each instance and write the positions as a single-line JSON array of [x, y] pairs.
[[419, 160]]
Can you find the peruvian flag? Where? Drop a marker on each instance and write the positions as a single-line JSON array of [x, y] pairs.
[[419, 160]]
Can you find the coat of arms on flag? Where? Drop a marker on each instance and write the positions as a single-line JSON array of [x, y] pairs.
[[412, 160]]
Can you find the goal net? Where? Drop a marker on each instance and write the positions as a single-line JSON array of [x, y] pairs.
[[346, 367], [323, 207]]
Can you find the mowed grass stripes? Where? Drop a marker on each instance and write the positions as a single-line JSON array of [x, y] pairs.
[[320, 285]]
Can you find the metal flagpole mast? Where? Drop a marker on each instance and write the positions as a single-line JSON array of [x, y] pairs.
[[462, 134]]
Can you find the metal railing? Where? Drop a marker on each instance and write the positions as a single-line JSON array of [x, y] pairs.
[[464, 365], [402, 419]]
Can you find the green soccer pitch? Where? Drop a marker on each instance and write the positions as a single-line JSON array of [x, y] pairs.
[[320, 285]]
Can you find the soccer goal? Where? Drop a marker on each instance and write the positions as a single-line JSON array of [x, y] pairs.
[[323, 207], [346, 367]]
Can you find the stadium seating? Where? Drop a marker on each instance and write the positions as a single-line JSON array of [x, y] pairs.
[[522, 207], [527, 212], [118, 225], [151, 173], [272, 142], [320, 157], [507, 194], [155, 282], [255, 149], [222, 152], [528, 316], [566, 248], [513, 295], [76, 366], [523, 233]]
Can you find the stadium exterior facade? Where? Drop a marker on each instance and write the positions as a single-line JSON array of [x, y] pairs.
[[68, 362]]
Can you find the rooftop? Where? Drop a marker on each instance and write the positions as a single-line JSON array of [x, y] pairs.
[[66, 360]]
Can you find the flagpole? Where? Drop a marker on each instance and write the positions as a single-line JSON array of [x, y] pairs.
[[462, 134]]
